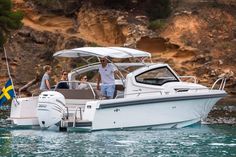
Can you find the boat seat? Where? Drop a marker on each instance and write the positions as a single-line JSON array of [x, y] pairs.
[[77, 93]]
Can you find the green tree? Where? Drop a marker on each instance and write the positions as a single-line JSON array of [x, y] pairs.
[[158, 9], [9, 20]]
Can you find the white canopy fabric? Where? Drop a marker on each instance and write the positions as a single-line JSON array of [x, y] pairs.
[[114, 52]]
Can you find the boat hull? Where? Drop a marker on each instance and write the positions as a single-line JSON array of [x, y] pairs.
[[159, 113], [162, 112], [23, 112]]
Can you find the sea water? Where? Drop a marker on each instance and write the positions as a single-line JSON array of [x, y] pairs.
[[202, 140]]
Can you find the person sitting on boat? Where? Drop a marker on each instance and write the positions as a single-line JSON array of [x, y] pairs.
[[106, 75], [63, 84], [45, 85], [83, 82]]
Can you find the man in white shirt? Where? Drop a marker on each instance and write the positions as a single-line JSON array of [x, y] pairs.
[[106, 75]]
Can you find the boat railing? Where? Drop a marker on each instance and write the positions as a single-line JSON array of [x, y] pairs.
[[75, 115], [65, 116], [198, 89], [222, 82], [189, 77], [32, 95], [162, 92], [139, 93]]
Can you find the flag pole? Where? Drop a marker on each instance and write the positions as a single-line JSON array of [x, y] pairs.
[[8, 70]]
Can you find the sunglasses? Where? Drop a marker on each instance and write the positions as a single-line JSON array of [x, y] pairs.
[[85, 78], [65, 74], [102, 60]]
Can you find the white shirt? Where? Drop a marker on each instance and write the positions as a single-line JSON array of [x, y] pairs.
[[107, 73], [83, 86]]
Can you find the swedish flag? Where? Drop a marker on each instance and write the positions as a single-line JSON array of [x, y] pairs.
[[7, 92]]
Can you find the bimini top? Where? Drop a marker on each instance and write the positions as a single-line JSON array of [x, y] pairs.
[[114, 52]]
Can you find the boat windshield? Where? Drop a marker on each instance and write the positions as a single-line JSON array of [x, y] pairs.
[[157, 76]]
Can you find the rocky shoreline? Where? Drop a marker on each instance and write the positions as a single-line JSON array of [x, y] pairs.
[[224, 112]]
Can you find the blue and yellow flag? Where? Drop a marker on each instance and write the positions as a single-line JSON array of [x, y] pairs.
[[7, 92]]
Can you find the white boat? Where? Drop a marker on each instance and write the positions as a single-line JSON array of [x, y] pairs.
[[149, 96]]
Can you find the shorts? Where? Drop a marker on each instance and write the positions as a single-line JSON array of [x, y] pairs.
[[108, 90]]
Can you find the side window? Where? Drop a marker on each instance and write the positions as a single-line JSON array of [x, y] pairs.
[[157, 76]]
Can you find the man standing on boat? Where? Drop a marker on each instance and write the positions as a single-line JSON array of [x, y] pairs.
[[45, 85], [106, 75]]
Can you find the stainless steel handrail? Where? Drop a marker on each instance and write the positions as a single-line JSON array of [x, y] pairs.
[[193, 77], [75, 116], [94, 94], [65, 116], [222, 83], [162, 92], [139, 93], [67, 113]]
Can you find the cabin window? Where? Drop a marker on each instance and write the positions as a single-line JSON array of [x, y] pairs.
[[157, 76]]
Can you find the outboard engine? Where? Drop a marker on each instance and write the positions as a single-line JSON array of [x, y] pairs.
[[51, 109]]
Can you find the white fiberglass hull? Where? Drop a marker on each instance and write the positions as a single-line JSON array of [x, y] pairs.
[[169, 111], [163, 112], [23, 112]]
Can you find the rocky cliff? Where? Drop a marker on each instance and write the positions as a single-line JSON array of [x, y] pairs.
[[198, 38]]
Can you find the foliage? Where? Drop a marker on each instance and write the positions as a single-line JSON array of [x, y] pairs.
[[117, 4], [158, 9], [157, 24], [92, 44], [154, 8], [9, 20], [1, 39], [46, 2]]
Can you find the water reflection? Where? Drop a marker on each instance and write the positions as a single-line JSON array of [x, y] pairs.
[[213, 140], [5, 142]]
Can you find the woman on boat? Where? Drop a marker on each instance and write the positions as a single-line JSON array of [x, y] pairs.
[[83, 82], [63, 84]]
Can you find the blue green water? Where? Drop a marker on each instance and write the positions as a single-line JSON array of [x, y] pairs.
[[204, 140]]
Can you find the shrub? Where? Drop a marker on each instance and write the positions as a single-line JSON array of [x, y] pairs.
[[46, 2], [157, 24], [1, 38], [158, 9], [92, 44], [9, 20]]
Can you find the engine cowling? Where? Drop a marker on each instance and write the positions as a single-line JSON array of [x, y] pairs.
[[51, 109]]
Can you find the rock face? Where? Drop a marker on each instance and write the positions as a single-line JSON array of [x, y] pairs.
[[101, 26], [199, 37], [224, 112], [58, 6], [29, 50]]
